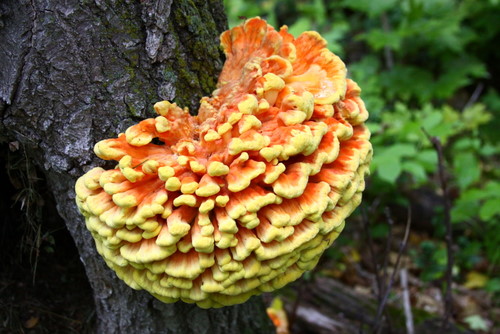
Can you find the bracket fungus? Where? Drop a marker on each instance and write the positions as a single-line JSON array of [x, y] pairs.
[[244, 197]]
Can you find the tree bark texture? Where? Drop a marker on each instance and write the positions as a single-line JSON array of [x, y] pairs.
[[75, 72]]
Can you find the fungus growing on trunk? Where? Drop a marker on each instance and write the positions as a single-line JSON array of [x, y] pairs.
[[245, 196]]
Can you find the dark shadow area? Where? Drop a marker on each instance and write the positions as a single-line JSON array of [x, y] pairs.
[[43, 286]]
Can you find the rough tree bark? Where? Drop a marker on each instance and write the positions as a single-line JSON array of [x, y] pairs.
[[75, 72]]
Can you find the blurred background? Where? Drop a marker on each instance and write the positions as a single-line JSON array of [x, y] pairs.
[[423, 67]]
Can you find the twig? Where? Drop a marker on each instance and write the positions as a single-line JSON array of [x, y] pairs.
[[389, 57], [403, 274], [378, 279], [388, 244], [448, 302], [385, 265], [474, 96], [402, 246]]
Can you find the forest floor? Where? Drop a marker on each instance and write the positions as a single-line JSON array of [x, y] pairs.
[[43, 286], [340, 295], [54, 298]]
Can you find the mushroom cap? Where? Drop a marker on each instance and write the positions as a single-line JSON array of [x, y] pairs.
[[245, 196]]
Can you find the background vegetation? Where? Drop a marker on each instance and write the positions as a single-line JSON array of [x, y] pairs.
[[423, 66]]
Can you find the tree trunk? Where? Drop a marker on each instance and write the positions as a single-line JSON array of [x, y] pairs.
[[75, 72]]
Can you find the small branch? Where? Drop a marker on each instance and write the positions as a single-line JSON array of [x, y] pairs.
[[402, 246], [378, 279], [389, 57], [403, 275], [388, 244], [475, 95], [448, 298]]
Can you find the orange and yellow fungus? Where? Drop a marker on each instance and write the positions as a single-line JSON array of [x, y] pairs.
[[245, 196]]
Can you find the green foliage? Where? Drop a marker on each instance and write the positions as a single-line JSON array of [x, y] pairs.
[[402, 147], [422, 65], [493, 285], [430, 259]]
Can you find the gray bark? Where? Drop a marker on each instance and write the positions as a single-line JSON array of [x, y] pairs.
[[75, 72]]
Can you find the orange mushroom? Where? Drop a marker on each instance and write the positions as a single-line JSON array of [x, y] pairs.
[[246, 196]]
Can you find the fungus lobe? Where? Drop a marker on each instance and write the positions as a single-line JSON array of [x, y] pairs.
[[245, 196]]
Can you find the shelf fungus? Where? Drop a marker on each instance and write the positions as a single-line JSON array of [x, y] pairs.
[[244, 197]]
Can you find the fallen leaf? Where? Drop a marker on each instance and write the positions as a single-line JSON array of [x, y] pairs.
[[465, 305], [477, 323], [430, 300], [14, 146], [475, 280], [31, 322], [353, 256], [334, 272]]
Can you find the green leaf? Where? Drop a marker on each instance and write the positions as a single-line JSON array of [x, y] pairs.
[[371, 8], [463, 212], [412, 132], [466, 169], [457, 73], [389, 169], [431, 120], [467, 206], [379, 39], [315, 10], [407, 82], [492, 188], [301, 25], [334, 36], [428, 159], [463, 144], [489, 149], [489, 209], [415, 169], [400, 150], [374, 127], [493, 285], [475, 115]]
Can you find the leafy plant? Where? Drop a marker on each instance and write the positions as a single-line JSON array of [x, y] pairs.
[[430, 259]]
